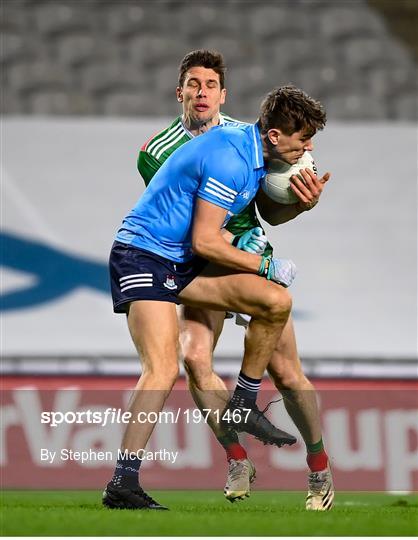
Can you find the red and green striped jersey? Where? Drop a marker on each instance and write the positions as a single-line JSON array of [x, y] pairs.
[[160, 147]]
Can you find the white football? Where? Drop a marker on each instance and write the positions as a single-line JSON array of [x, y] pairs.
[[276, 183]]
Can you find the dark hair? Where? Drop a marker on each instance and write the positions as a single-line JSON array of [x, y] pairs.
[[203, 58], [290, 109]]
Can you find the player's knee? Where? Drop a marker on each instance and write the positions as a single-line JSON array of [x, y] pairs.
[[163, 377], [289, 378], [277, 304], [198, 365], [172, 375]]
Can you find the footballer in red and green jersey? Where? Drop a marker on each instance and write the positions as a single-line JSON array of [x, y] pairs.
[[157, 149]]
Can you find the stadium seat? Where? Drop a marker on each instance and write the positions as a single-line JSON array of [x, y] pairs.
[[405, 107], [29, 75], [108, 76], [314, 79], [382, 81], [152, 50], [49, 102], [331, 49], [235, 51], [362, 52], [54, 18], [301, 50], [13, 17], [244, 81], [10, 103], [276, 20], [76, 49], [355, 105], [132, 19], [126, 103], [338, 22], [196, 20], [165, 80], [12, 47]]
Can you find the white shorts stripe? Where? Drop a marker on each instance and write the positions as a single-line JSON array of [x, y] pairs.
[[134, 276], [136, 280], [136, 285]]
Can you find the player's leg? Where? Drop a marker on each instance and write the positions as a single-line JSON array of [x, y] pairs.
[[299, 395], [269, 305], [300, 401], [199, 333], [154, 330]]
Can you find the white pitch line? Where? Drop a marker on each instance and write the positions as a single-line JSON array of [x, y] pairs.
[[351, 503]]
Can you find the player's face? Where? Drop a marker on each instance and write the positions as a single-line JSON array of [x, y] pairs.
[[201, 96], [288, 148]]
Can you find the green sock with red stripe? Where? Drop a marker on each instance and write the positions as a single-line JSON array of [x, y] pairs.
[[232, 446]]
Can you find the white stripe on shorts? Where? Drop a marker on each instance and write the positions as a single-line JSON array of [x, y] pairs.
[[134, 276], [136, 285]]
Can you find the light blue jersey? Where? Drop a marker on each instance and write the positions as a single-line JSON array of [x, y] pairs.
[[223, 167]]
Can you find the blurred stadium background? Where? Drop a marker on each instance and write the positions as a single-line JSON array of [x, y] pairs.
[[85, 83]]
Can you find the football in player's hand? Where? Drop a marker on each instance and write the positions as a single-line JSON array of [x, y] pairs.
[[276, 183]]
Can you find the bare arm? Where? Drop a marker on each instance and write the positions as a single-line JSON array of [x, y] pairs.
[[209, 242], [273, 212], [308, 193]]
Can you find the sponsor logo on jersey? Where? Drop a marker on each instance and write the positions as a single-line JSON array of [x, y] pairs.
[[170, 283]]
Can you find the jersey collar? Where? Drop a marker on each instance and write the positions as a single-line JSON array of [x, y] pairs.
[[257, 146]]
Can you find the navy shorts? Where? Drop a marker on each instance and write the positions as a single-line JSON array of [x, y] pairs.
[[136, 274]]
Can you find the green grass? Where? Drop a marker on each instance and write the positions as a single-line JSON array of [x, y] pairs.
[[207, 513]]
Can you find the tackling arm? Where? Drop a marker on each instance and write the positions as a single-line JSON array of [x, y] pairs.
[[208, 240]]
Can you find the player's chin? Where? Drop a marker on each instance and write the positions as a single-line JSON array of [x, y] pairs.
[[203, 114]]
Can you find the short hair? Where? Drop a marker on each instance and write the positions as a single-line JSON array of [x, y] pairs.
[[290, 109], [203, 58]]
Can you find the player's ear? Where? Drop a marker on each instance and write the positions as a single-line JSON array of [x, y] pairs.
[[273, 135], [179, 94], [223, 96]]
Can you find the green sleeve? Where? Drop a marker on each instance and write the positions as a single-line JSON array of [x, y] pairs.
[[147, 166]]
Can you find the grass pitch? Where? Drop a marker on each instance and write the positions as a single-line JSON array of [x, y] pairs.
[[207, 513]]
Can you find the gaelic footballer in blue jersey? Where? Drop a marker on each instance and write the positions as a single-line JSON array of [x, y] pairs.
[[180, 219], [223, 167]]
